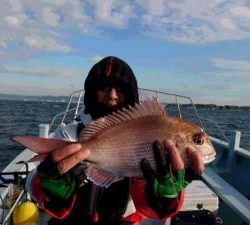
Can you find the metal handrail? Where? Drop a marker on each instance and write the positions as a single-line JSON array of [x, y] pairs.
[[67, 110], [71, 97], [156, 93], [58, 115], [177, 102]]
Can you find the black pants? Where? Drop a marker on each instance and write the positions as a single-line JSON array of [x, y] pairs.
[[111, 205]]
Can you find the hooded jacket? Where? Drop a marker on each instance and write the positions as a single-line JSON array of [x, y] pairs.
[[111, 204], [109, 72]]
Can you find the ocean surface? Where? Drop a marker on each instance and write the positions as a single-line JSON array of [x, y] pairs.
[[23, 118]]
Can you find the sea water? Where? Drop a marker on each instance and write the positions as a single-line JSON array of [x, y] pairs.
[[24, 117]]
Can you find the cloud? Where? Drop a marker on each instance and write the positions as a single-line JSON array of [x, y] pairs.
[[230, 70], [192, 22], [35, 90], [15, 5], [156, 7], [96, 58], [40, 71], [15, 20], [242, 65], [241, 11], [57, 2], [3, 44], [228, 24], [230, 74], [30, 24], [112, 13], [37, 40], [51, 17]]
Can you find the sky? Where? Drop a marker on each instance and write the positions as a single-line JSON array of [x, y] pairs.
[[197, 48]]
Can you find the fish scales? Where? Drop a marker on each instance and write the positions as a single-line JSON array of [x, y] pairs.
[[125, 144]]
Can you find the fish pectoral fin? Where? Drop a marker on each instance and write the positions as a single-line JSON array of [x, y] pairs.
[[100, 177]]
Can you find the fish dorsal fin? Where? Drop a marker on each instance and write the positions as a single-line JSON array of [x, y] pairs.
[[148, 107]]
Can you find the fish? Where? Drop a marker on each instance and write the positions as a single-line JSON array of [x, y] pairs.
[[119, 141]]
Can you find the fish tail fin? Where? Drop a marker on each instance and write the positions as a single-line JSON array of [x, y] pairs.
[[41, 146]]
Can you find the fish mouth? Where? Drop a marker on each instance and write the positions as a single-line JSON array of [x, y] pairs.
[[208, 158]]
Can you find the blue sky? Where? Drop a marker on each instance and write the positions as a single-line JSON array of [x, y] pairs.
[[197, 48]]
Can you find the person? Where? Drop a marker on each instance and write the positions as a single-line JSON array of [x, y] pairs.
[[62, 189]]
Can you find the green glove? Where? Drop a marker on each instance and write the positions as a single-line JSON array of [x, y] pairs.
[[59, 185], [170, 187], [163, 182]]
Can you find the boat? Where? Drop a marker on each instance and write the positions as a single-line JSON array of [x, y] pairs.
[[222, 190]]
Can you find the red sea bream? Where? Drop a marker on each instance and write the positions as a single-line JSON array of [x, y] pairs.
[[119, 141]]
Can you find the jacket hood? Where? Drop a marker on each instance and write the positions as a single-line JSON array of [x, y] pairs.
[[110, 71]]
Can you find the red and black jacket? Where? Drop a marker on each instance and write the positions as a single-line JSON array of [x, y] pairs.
[[110, 206]]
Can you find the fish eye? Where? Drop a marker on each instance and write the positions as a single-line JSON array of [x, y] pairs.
[[198, 141], [198, 138]]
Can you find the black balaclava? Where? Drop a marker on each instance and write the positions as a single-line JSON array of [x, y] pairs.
[[110, 71]]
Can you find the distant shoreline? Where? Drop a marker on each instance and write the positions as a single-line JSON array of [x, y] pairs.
[[65, 99], [47, 98]]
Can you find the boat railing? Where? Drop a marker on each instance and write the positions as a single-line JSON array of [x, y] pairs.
[[175, 104], [74, 109], [177, 101], [228, 194], [63, 115], [172, 102]]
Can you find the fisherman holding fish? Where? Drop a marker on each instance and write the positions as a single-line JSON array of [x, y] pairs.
[[140, 176]]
